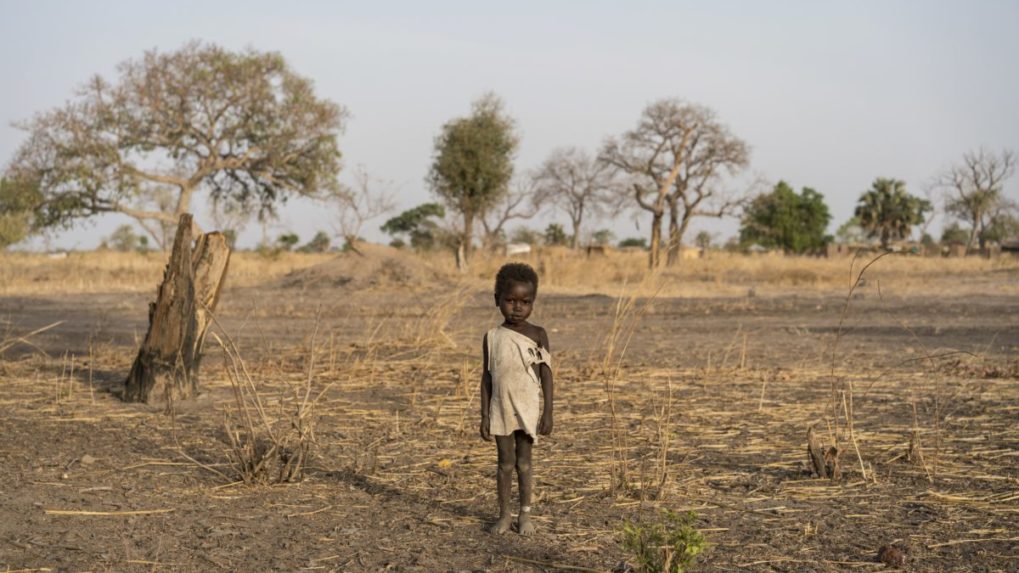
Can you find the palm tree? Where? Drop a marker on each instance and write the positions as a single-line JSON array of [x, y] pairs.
[[888, 212]]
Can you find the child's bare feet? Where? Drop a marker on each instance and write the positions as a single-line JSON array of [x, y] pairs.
[[524, 525], [501, 526]]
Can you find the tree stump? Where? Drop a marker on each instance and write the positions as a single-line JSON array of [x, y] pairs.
[[166, 369], [824, 463]]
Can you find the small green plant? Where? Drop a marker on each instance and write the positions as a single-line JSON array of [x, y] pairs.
[[669, 545]]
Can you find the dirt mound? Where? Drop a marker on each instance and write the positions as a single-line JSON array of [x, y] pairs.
[[375, 266]]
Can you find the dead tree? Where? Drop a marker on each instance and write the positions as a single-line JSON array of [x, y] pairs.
[[166, 369]]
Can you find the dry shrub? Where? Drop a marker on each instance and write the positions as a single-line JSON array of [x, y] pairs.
[[271, 440]]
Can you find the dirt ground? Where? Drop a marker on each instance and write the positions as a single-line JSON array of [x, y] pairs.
[[401, 482]]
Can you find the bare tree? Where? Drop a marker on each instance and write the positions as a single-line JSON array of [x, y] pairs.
[[573, 181], [674, 158], [521, 202], [697, 192], [974, 189], [367, 198]]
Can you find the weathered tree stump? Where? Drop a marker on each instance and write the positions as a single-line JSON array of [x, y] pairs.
[[825, 463], [166, 369]]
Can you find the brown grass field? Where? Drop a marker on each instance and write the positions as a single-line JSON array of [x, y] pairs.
[[689, 389]]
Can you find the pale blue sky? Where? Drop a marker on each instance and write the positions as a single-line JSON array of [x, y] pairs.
[[829, 95]]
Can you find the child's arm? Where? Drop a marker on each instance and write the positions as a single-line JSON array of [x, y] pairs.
[[486, 392], [545, 424]]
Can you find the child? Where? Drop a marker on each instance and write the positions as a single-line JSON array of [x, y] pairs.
[[516, 378]]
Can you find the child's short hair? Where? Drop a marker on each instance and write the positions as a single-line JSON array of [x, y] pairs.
[[519, 272]]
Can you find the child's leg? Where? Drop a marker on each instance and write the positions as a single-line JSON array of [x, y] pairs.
[[504, 482], [525, 479]]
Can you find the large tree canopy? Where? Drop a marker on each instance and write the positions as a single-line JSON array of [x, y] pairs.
[[240, 125], [888, 212], [783, 219], [473, 162]]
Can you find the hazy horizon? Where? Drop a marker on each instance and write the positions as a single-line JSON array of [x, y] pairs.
[[827, 96]]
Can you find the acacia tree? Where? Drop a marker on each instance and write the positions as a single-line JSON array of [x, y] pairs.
[[975, 190], [571, 180], [787, 220], [674, 158], [240, 125], [473, 165], [887, 211], [417, 224]]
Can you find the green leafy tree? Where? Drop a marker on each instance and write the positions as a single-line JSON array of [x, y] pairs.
[[602, 237], [473, 165], [241, 126], [888, 212], [640, 242], [850, 232], [526, 235], [555, 235], [417, 224], [703, 240], [287, 241], [318, 244], [1001, 227], [782, 219], [16, 200], [124, 239], [954, 234]]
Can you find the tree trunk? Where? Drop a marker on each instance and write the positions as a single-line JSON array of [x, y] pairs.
[[672, 249], [461, 257], [575, 239], [166, 368], [654, 256]]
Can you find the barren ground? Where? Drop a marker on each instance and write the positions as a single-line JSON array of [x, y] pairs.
[[401, 482]]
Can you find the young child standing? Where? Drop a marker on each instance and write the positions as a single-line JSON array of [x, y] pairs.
[[516, 390]]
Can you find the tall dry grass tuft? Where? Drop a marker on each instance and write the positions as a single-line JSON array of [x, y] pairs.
[[842, 389], [629, 312], [271, 440], [432, 329]]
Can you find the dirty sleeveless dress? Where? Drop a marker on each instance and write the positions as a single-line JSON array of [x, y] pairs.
[[516, 388]]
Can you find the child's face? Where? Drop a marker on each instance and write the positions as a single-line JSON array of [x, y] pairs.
[[516, 302]]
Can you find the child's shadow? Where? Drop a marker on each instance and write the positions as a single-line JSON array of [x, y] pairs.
[[391, 493]]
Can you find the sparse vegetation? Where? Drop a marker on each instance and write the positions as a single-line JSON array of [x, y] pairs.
[[669, 544]]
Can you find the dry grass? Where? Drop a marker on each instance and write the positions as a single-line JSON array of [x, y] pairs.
[[725, 274], [110, 271], [397, 417], [561, 270]]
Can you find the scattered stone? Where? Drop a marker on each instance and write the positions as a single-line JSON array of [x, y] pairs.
[[87, 460]]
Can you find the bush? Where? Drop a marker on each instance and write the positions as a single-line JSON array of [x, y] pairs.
[[669, 545], [633, 242]]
